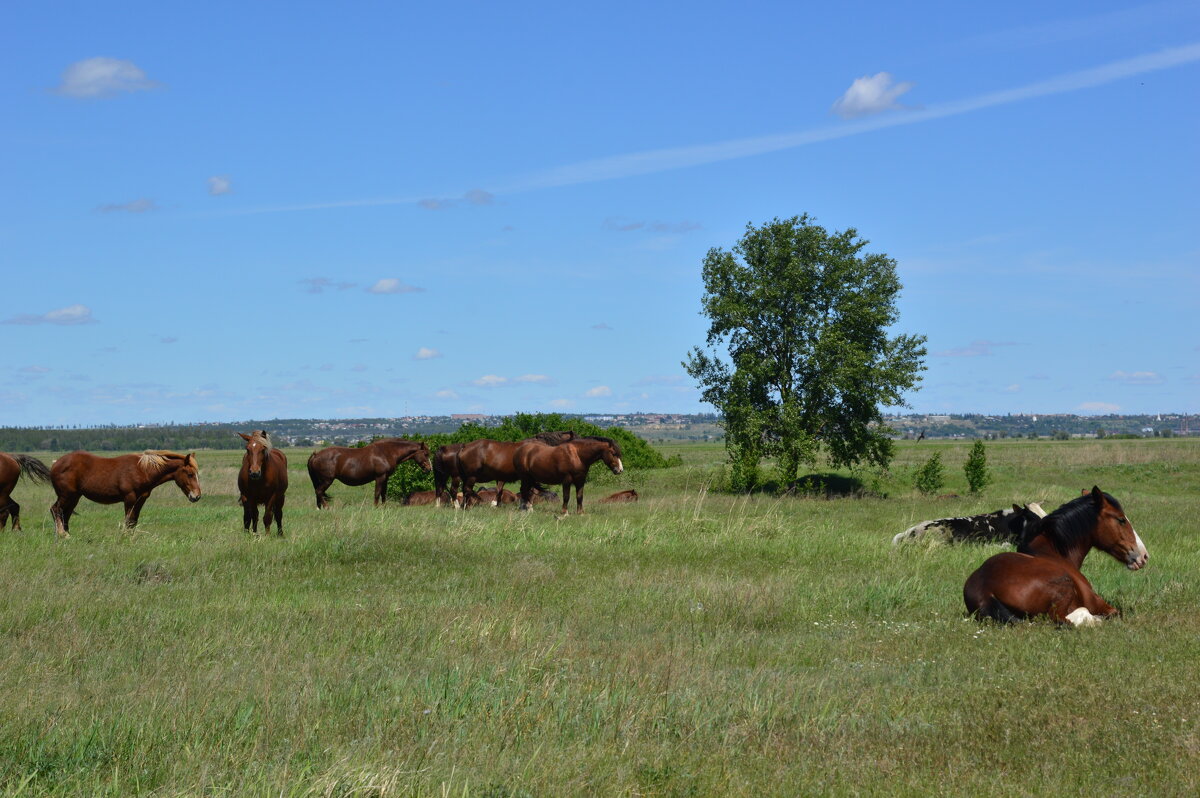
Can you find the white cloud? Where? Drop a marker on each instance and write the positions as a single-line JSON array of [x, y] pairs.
[[433, 204], [103, 77], [1137, 377], [426, 353], [540, 379], [489, 381], [1014, 388], [870, 94], [1098, 407], [140, 205], [219, 184], [391, 285], [599, 390], [70, 315], [560, 403], [446, 393]]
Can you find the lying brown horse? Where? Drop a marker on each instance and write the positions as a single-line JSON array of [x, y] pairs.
[[373, 462], [1042, 576], [630, 495], [566, 464], [128, 478], [263, 480], [11, 468], [420, 498], [485, 460]]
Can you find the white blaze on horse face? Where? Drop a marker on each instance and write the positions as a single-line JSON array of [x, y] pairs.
[[620, 466], [1142, 554]]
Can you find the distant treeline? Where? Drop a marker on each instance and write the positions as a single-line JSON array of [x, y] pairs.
[[119, 439]]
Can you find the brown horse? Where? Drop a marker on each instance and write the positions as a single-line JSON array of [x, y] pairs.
[[485, 460], [1042, 576], [630, 495], [420, 498], [11, 468], [128, 478], [566, 464], [263, 480], [445, 470], [373, 462]]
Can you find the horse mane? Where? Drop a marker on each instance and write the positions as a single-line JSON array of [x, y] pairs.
[[156, 458], [603, 439], [1068, 524], [263, 436], [554, 438]]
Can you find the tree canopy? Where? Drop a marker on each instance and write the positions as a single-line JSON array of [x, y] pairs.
[[798, 357]]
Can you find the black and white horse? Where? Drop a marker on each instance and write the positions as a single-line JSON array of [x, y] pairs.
[[1002, 526]]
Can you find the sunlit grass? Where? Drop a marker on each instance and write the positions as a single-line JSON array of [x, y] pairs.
[[692, 644]]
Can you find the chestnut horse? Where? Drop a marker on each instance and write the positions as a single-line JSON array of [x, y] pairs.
[[11, 468], [375, 461], [620, 496], [263, 480], [445, 469], [128, 478], [1042, 576], [485, 460], [566, 464]]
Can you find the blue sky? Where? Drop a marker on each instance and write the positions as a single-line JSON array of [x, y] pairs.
[[227, 211]]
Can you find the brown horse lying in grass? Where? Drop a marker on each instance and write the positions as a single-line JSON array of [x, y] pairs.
[[358, 466], [128, 478], [11, 468], [1042, 576], [630, 495], [262, 480]]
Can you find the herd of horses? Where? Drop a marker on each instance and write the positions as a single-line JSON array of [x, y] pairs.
[[1041, 578]]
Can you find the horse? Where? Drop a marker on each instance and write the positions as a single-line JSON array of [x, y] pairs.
[[420, 498], [1042, 576], [11, 468], [127, 478], [485, 460], [566, 464], [630, 495], [263, 479], [375, 461], [1002, 526], [445, 470]]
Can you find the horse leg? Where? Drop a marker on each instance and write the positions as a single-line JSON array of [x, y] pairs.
[[322, 497], [579, 498], [566, 496], [61, 511], [439, 487], [381, 490], [526, 502], [133, 510], [278, 516], [499, 491], [14, 510], [468, 492], [249, 514]]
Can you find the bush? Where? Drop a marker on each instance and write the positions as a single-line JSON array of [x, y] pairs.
[[978, 476], [635, 452], [931, 476]]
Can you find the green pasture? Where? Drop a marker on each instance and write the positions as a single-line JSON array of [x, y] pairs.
[[693, 644]]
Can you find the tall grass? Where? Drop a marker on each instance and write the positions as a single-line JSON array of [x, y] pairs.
[[692, 644]]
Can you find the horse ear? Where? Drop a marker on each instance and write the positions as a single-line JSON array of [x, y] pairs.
[[245, 437], [1097, 495]]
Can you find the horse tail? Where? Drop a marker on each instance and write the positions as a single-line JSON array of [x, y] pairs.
[[996, 610], [35, 469]]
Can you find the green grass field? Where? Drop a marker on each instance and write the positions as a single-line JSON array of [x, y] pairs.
[[693, 644]]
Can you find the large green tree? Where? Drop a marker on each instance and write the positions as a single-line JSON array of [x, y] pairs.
[[799, 358]]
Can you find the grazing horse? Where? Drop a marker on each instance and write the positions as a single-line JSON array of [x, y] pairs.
[[262, 480], [445, 470], [1002, 526], [375, 461], [485, 460], [128, 478], [630, 495], [11, 468], [566, 464], [1042, 576]]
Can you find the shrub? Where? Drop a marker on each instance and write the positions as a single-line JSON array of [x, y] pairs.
[[931, 476], [978, 476]]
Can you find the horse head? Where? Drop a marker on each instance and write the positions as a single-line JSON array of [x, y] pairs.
[[187, 477], [1115, 534], [257, 445], [421, 456], [611, 455]]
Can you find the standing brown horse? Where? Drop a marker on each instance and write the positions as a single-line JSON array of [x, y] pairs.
[[373, 462], [128, 478], [445, 469], [485, 459], [11, 468], [262, 480], [566, 464], [1042, 576]]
